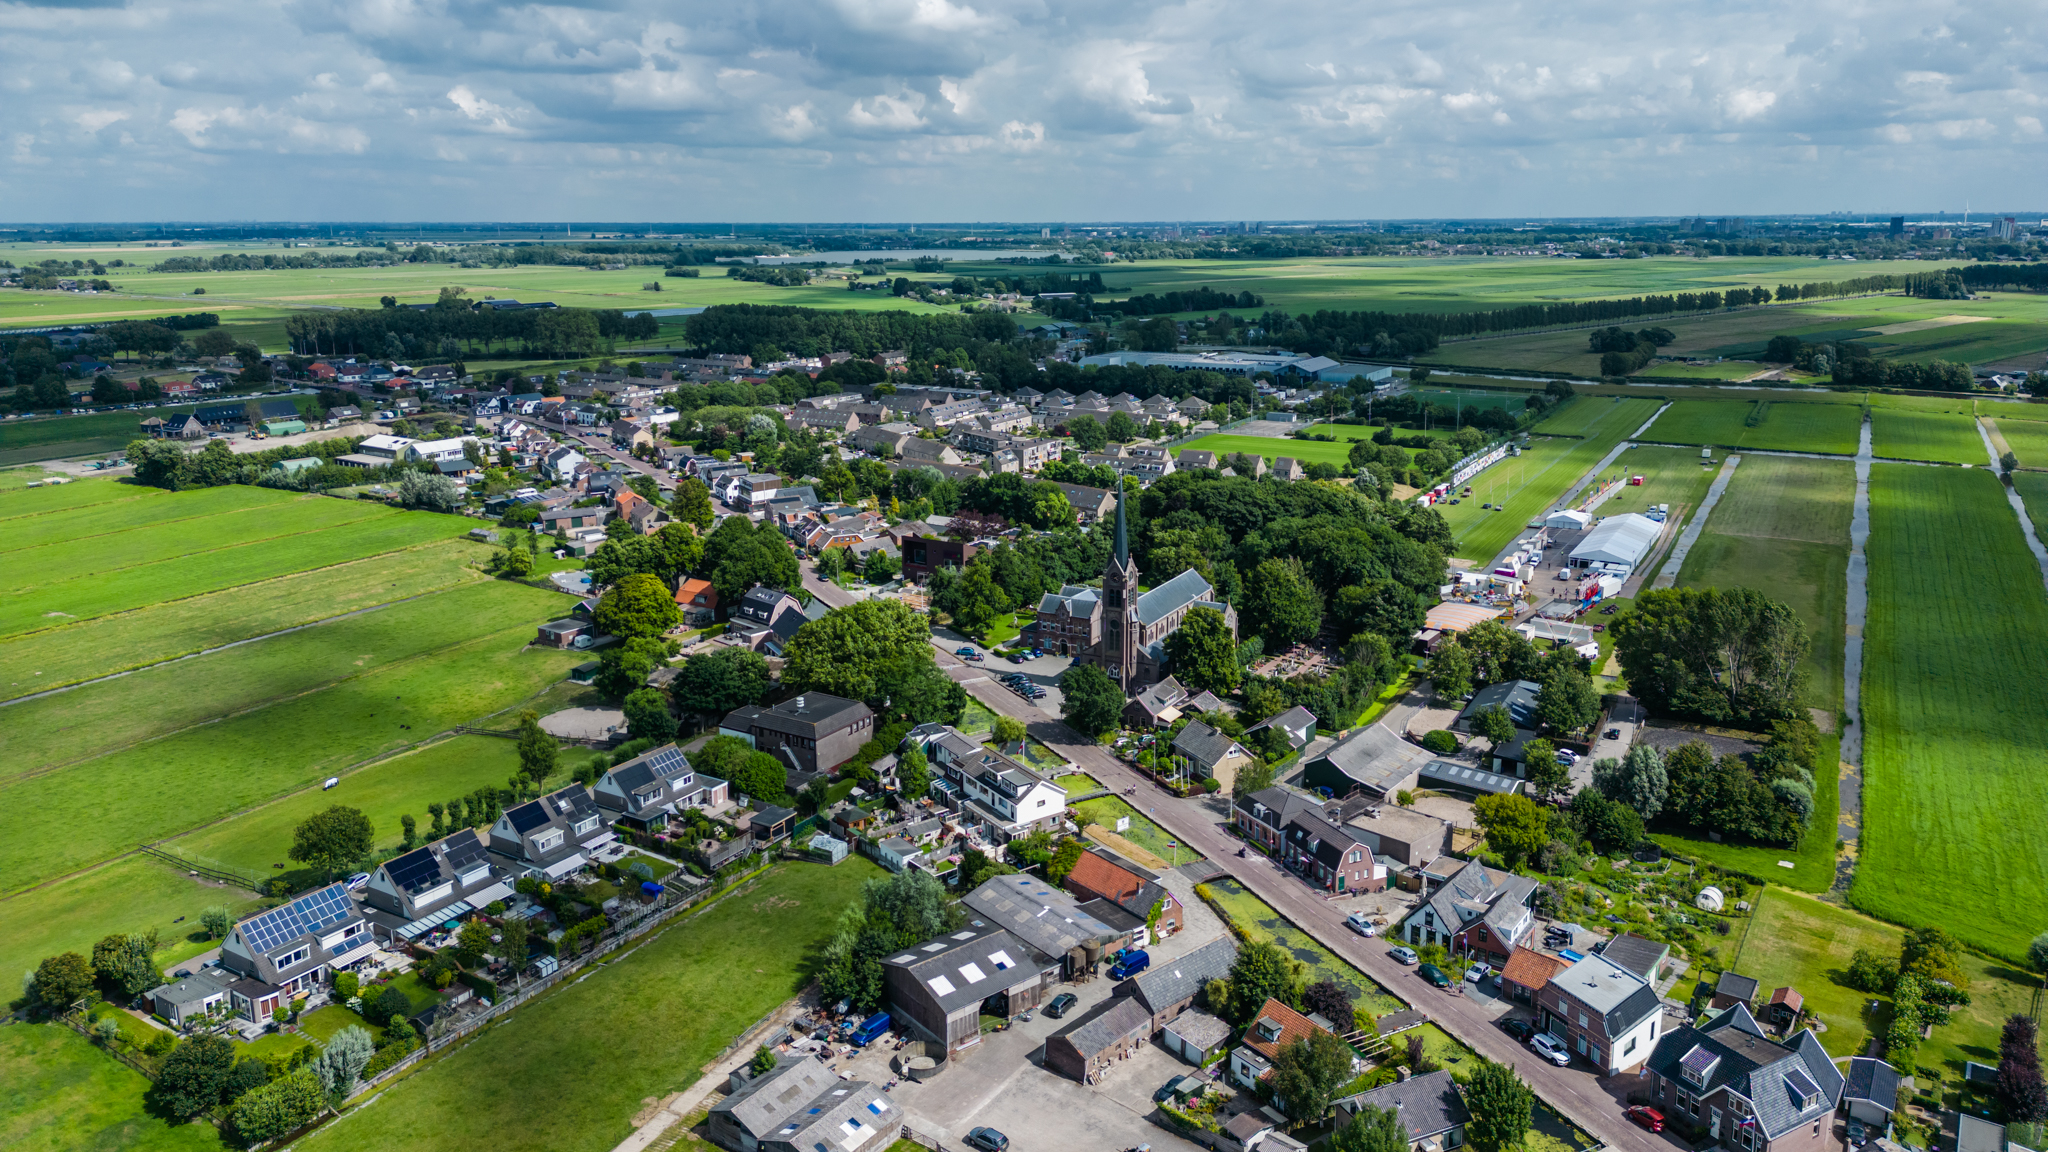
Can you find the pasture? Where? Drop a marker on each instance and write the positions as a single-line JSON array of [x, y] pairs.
[[1765, 422], [96, 433], [686, 992], [1531, 483], [2033, 490], [1946, 437], [2028, 440], [1952, 746], [1579, 416], [62, 1093]]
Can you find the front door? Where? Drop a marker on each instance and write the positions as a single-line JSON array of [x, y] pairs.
[[1714, 1127]]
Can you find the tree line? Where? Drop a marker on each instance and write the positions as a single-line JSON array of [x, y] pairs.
[[450, 330]]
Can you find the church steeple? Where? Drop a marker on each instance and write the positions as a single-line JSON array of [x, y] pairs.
[[1123, 533]]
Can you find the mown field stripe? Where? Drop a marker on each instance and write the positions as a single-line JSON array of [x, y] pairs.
[[115, 516], [23, 503], [136, 547]]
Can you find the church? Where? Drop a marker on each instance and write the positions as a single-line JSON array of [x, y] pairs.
[[1117, 628]]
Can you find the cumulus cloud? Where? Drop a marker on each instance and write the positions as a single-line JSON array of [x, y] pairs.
[[1028, 110]]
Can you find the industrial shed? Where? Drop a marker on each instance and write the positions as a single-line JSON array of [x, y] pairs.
[[1618, 543]]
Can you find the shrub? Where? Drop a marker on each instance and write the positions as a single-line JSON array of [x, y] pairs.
[[483, 985], [1212, 785], [346, 984], [385, 1006], [1441, 742], [387, 1056]]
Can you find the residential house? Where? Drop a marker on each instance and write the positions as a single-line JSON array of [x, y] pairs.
[[1286, 468], [991, 789], [840, 422], [896, 853], [1169, 988], [924, 555], [1263, 816], [1403, 835], [287, 951], [1602, 1011], [801, 1106], [1870, 1092], [935, 990], [1430, 1106], [561, 464], [1273, 1028], [418, 891], [917, 450], [433, 451], [810, 732], [1528, 972], [1215, 755], [1479, 913], [1086, 1048], [1518, 697], [1745, 1090], [562, 633], [343, 414], [1090, 504], [387, 447], [765, 618], [1325, 852], [646, 791], [1165, 702], [1096, 876], [751, 491], [630, 434], [549, 836], [837, 534], [1297, 725], [1638, 954], [1197, 458], [698, 601], [568, 519], [883, 439]]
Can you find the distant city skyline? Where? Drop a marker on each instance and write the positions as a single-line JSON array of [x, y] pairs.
[[787, 111]]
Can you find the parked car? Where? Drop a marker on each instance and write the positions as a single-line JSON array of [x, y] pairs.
[[967, 653], [1165, 1092], [1477, 974], [1402, 954], [1519, 1029], [1434, 975], [1652, 1119], [359, 881], [1548, 1047], [1129, 963], [1567, 757], [1359, 924], [1614, 733], [1060, 1004], [988, 1140]]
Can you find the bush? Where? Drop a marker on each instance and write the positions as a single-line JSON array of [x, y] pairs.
[[1441, 742], [346, 984], [385, 1006], [483, 985], [387, 1056], [1212, 785]]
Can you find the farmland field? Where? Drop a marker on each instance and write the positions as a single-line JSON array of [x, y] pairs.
[[1952, 743], [116, 516], [1530, 483], [2033, 490], [67, 654], [61, 1093], [53, 437], [1670, 476], [1950, 438], [25, 501], [1783, 426], [2028, 440], [641, 1026], [1582, 414], [102, 556]]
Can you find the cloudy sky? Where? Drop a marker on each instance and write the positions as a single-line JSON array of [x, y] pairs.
[[906, 110]]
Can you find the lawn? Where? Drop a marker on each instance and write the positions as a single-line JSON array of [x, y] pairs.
[[132, 894], [174, 579], [1142, 832], [53, 657], [1530, 484], [1671, 476], [322, 1023], [58, 1094], [1951, 706], [1781, 425], [1304, 452], [124, 712], [642, 1026], [1799, 941], [220, 768], [22, 500], [2028, 440], [2033, 490], [1948, 437]]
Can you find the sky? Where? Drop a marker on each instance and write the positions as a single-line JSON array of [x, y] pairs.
[[1039, 110]]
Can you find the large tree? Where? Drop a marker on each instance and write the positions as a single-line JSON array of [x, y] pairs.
[[892, 914], [1090, 703], [1725, 655], [638, 606], [1516, 826], [738, 555], [848, 651], [691, 503], [1637, 779], [61, 980], [538, 751], [194, 1075], [721, 681], [1450, 671], [333, 840], [762, 778], [1308, 1073], [1495, 724], [1568, 702], [1371, 1130], [1500, 1105], [1280, 605], [647, 715], [1204, 653], [1262, 971]]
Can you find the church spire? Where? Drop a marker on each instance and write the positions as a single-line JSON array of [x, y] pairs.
[[1123, 533]]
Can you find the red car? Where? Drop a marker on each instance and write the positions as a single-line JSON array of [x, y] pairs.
[[1647, 1117]]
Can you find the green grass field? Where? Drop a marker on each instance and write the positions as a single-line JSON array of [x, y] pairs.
[[132, 894], [2033, 490], [1948, 437], [1582, 415], [165, 580], [102, 556], [119, 517], [23, 501], [1530, 483], [1142, 832], [1671, 476], [96, 433], [53, 657], [1952, 746], [1305, 452], [1799, 941], [639, 1027], [1785, 426], [2028, 440], [58, 1093]]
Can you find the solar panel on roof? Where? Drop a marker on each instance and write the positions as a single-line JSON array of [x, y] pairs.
[[313, 912], [667, 761]]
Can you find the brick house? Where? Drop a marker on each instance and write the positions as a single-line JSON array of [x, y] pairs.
[[1745, 1090], [1603, 1012], [1097, 877]]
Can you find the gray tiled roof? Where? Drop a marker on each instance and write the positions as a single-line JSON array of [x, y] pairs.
[[1873, 1080], [1172, 981], [1428, 1105], [1176, 593], [1106, 1024], [1204, 745], [1732, 1046]]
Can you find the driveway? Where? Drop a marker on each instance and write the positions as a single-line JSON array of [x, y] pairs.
[[1580, 1096]]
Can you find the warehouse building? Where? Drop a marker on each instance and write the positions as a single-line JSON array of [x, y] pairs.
[[1617, 544]]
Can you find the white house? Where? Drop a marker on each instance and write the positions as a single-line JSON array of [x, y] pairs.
[[433, 451], [561, 464], [386, 446]]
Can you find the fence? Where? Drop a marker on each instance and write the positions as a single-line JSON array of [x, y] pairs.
[[77, 1025], [211, 872]]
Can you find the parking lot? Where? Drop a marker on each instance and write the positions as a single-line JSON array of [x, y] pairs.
[[1044, 671]]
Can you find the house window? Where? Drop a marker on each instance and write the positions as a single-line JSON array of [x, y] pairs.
[[1689, 1102], [1631, 1046]]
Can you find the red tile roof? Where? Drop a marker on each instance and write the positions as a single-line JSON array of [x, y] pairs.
[[1293, 1026]]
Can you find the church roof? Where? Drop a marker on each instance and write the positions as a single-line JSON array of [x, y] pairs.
[[1176, 593]]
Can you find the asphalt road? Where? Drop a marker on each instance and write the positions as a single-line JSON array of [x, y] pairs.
[[1584, 1099]]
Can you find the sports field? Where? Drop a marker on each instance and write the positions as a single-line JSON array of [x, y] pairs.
[[1531, 483], [362, 646], [1306, 452], [1946, 437], [1951, 706], [1765, 423], [637, 1028]]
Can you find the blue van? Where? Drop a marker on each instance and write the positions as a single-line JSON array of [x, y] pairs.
[[1129, 963], [870, 1028]]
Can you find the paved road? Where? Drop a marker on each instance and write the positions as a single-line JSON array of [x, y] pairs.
[[1584, 1099]]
